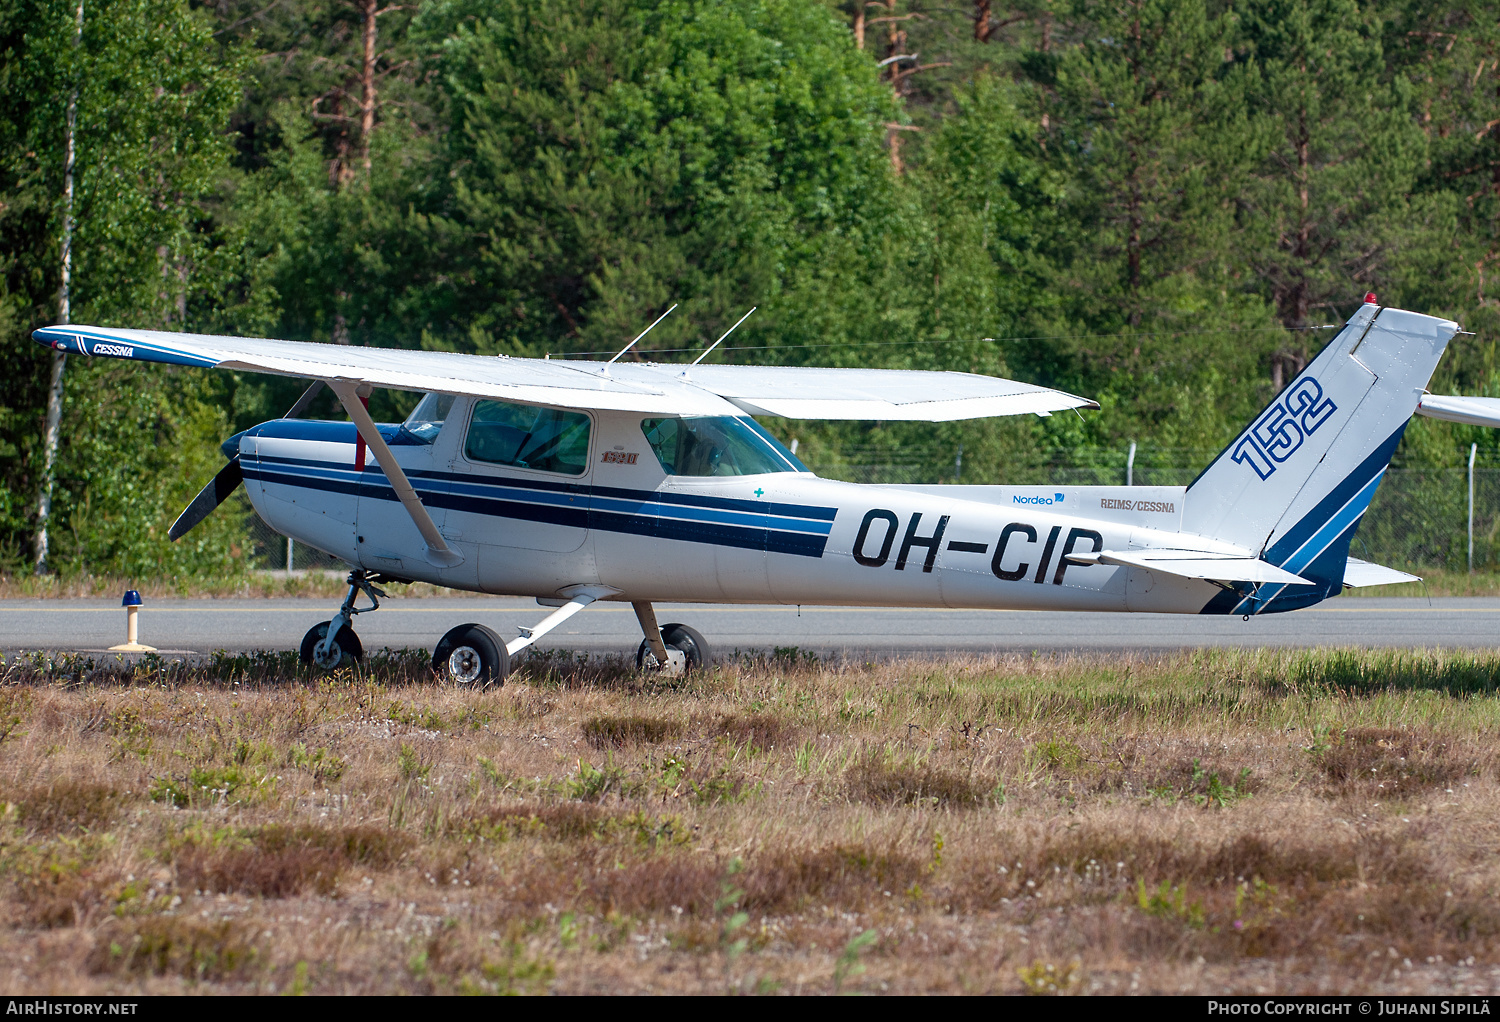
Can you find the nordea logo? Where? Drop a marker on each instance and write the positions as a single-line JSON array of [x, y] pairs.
[[1056, 498]]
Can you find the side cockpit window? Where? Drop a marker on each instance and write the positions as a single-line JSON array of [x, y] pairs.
[[426, 420], [717, 446], [547, 439]]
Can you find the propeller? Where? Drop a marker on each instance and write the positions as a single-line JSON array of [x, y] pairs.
[[230, 476], [210, 497]]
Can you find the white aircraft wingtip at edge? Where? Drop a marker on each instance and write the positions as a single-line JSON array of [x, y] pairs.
[[1470, 411]]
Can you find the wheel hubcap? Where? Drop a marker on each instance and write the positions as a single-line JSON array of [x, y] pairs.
[[677, 661], [465, 665], [327, 654]]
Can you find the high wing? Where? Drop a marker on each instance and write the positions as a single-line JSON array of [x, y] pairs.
[[536, 381], [629, 387], [796, 392], [793, 392], [1471, 411]]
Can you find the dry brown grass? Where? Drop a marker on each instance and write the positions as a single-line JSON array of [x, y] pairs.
[[67, 803], [884, 780], [760, 731], [243, 584], [1216, 821], [173, 946], [613, 732]]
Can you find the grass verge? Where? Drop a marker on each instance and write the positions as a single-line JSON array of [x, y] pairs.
[[1245, 821]]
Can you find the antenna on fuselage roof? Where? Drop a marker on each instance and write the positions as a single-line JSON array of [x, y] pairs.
[[638, 336], [720, 341]]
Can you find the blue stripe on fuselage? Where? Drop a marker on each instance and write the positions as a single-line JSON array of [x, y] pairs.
[[721, 510], [345, 433], [721, 521]]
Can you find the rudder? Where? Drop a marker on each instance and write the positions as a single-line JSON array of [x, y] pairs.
[[1293, 486]]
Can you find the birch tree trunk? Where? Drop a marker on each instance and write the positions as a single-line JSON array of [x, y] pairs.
[[64, 313], [367, 85]]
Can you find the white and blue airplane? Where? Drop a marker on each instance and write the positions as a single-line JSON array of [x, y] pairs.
[[574, 482]]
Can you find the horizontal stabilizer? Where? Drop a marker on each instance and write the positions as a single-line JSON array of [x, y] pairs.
[[1471, 411], [1358, 574], [1194, 564]]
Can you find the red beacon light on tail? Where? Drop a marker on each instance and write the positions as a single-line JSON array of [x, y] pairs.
[[1370, 298]]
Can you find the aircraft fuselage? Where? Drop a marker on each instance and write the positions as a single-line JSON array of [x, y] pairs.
[[786, 537]]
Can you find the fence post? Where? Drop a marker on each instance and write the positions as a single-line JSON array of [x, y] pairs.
[[958, 464], [289, 555], [1473, 450], [1130, 465]]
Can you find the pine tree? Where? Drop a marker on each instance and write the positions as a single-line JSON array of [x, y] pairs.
[[1149, 118], [1449, 53], [617, 156], [1145, 118], [1327, 200]]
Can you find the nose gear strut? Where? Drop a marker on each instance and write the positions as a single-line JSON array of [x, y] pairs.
[[360, 581]]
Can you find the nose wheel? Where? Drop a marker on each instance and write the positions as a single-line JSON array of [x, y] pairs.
[[471, 656], [333, 644], [343, 651]]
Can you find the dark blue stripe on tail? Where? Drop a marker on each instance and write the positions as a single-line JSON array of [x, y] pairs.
[[1298, 552]]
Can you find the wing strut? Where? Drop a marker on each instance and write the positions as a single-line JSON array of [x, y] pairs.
[[438, 551]]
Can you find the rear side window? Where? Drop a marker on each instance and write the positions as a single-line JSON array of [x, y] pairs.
[[716, 446], [548, 439]]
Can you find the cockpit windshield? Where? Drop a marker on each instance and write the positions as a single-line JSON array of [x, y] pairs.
[[717, 446], [426, 420]]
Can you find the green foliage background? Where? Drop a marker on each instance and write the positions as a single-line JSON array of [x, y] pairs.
[[1151, 202]]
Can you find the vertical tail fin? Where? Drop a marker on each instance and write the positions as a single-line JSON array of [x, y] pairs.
[[1293, 486]]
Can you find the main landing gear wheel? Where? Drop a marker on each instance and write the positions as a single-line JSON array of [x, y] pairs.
[[687, 641], [344, 651], [471, 656]]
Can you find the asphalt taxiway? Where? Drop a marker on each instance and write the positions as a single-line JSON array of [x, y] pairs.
[[201, 626]]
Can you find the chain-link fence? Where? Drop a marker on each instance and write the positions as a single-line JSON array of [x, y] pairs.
[[1418, 519], [269, 550]]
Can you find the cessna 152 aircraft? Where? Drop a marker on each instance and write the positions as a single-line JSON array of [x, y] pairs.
[[574, 482]]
